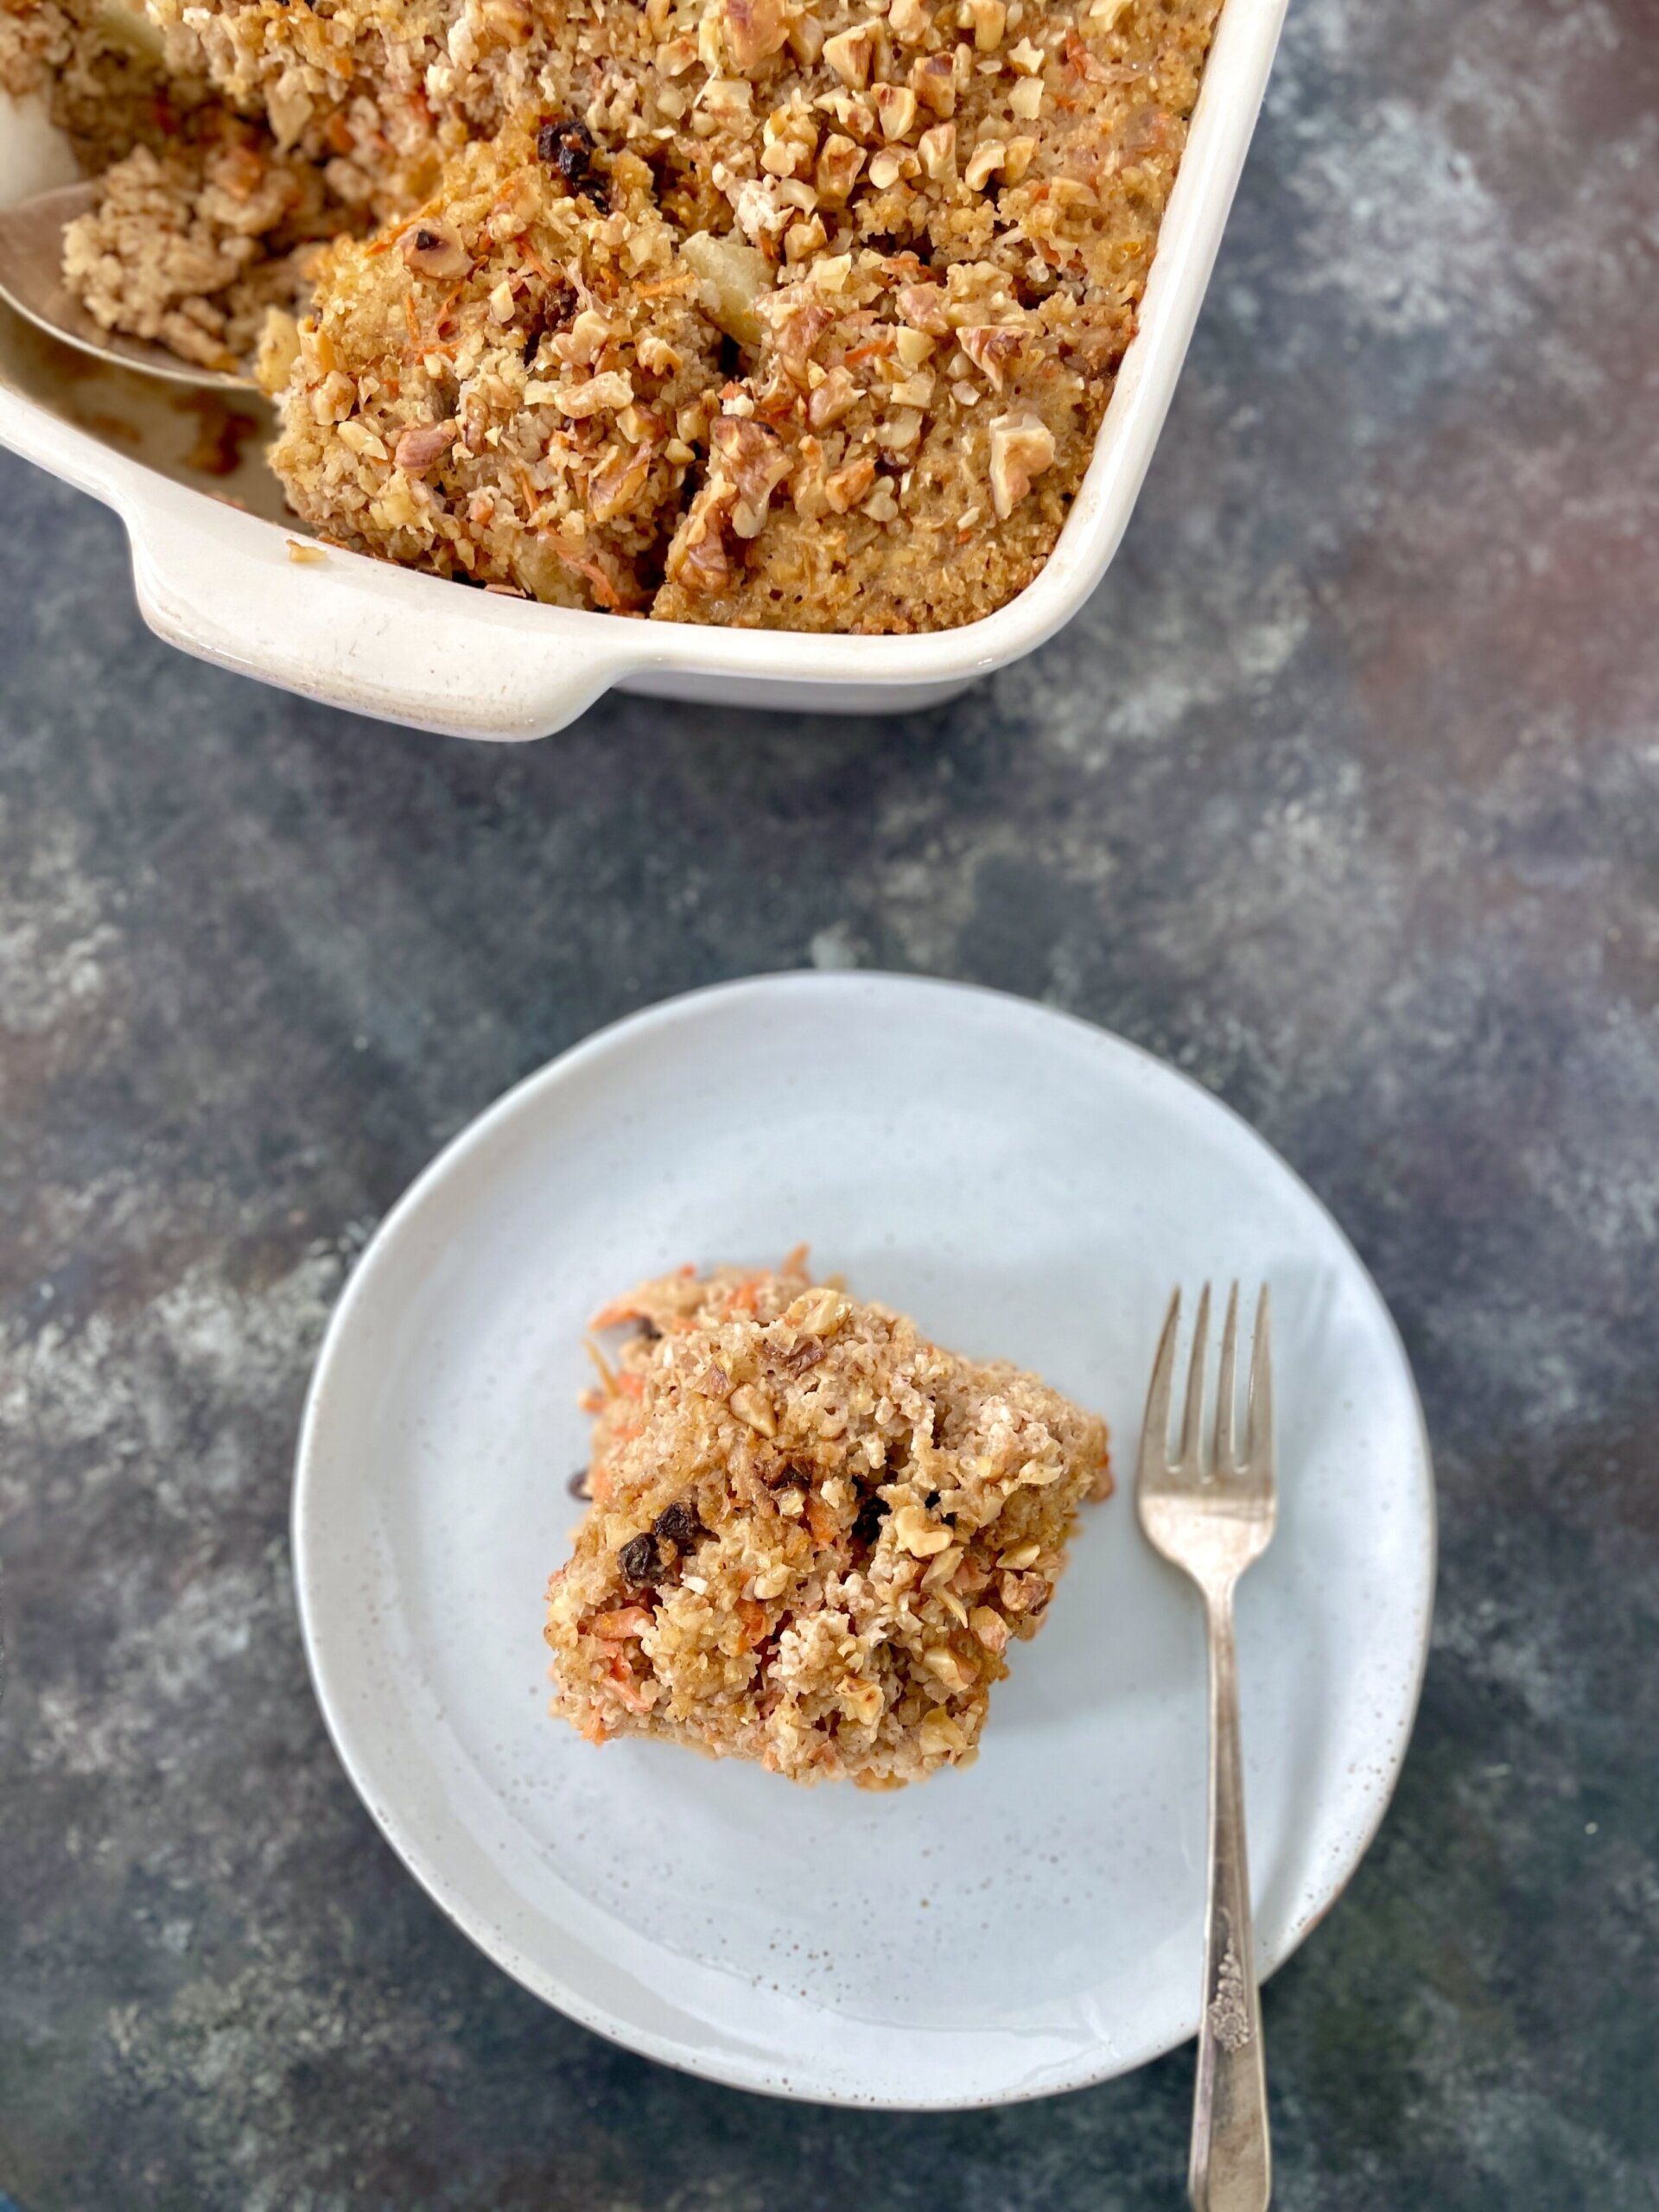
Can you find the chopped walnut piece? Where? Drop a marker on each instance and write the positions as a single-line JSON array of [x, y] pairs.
[[832, 398], [910, 21], [1022, 1593], [1022, 447], [847, 486], [1018, 158], [754, 30], [861, 1700], [619, 484], [418, 448], [612, 389], [983, 163], [939, 1736], [504, 23], [989, 18], [798, 322], [953, 1671], [922, 307], [432, 249], [839, 162], [938, 149], [989, 1627], [933, 80], [895, 109], [803, 240], [334, 398], [754, 461], [850, 54], [698, 561], [806, 36], [918, 1532], [992, 348], [941, 1570], [751, 1406]]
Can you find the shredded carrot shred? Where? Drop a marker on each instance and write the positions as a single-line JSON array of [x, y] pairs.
[[599, 1360]]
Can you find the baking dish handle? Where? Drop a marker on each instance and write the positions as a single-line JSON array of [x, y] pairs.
[[361, 635]]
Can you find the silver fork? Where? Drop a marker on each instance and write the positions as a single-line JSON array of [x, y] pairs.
[[1213, 1521]]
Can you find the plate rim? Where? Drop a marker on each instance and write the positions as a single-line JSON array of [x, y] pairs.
[[500, 1949]]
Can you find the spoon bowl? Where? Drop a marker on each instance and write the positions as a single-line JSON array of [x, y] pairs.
[[31, 280]]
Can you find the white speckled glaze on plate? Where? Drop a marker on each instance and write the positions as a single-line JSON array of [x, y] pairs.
[[1024, 1185]]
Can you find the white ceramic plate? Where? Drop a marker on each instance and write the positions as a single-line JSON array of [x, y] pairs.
[[1024, 1185]]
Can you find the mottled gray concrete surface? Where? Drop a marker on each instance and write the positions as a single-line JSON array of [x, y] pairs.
[[1344, 794]]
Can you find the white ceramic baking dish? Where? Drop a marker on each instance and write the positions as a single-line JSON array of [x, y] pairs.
[[218, 580]]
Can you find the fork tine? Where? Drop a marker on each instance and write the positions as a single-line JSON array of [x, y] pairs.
[[1154, 1429], [1192, 1424], [1226, 1452], [1259, 1446]]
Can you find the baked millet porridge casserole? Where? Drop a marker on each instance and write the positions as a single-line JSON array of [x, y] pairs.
[[812, 1535], [750, 312]]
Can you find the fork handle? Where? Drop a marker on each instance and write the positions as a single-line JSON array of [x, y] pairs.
[[1232, 2165]]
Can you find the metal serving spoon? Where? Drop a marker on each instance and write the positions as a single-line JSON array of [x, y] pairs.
[[31, 280]]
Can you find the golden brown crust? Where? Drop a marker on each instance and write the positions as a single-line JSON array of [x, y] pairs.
[[943, 210], [510, 387], [813, 1533], [901, 457]]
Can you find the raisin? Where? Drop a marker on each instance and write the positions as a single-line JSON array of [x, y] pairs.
[[867, 1530], [577, 1485], [551, 314], [567, 147], [648, 1329], [641, 1559], [678, 1524]]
